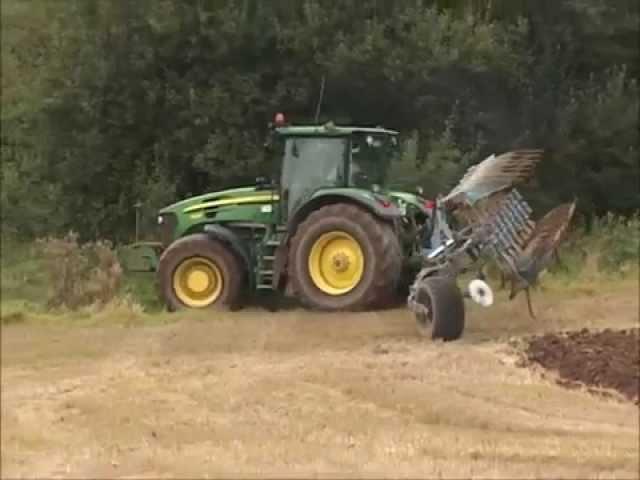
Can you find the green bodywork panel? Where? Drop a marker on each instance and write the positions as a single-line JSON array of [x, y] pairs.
[[403, 199], [245, 204], [254, 205]]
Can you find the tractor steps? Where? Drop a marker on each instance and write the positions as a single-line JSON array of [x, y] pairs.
[[264, 280], [265, 269]]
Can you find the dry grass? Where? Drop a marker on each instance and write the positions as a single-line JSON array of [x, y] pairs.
[[295, 394], [80, 274]]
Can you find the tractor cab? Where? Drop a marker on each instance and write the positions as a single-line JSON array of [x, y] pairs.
[[313, 158]]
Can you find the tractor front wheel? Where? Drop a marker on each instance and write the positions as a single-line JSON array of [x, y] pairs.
[[343, 258], [198, 272], [445, 306]]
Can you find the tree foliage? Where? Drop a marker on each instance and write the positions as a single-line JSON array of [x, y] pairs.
[[110, 103]]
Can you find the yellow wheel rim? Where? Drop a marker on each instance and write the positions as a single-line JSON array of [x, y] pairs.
[[336, 263], [197, 282]]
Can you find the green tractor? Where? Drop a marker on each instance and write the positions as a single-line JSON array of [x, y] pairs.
[[327, 232], [331, 233]]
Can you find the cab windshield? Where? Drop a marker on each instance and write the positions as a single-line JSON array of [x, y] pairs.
[[371, 158]]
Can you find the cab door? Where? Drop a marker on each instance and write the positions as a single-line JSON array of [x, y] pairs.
[[310, 163]]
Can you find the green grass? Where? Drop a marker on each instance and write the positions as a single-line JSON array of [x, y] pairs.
[[25, 291], [141, 286], [22, 276]]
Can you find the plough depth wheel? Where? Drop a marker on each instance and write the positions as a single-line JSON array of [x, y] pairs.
[[443, 312]]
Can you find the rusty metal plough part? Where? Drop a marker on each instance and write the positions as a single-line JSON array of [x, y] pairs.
[[496, 226]]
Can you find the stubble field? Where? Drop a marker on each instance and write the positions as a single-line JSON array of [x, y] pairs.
[[300, 394]]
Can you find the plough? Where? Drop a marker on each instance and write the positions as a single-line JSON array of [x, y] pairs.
[[492, 223]]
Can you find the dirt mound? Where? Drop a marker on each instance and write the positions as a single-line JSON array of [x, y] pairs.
[[603, 359]]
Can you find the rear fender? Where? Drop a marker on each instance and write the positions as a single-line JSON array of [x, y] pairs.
[[380, 205]]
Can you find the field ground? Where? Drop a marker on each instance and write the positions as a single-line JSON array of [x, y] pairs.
[[301, 394]]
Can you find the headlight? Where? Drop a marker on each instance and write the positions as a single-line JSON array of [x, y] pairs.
[[160, 219]]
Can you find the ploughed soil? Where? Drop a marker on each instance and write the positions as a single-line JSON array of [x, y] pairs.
[[607, 359]]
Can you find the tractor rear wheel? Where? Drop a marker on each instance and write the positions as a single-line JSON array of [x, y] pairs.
[[343, 258], [394, 296], [445, 304], [198, 272]]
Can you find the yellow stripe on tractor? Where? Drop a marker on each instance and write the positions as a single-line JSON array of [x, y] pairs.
[[233, 201]]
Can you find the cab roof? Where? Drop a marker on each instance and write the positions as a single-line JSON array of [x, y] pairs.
[[330, 129]]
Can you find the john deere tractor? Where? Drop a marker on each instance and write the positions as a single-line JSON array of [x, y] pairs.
[[327, 231], [331, 232]]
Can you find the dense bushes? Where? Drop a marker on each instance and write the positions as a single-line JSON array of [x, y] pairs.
[[111, 103]]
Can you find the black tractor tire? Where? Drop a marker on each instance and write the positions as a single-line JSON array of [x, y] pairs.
[[378, 243], [394, 296], [445, 302], [201, 245]]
